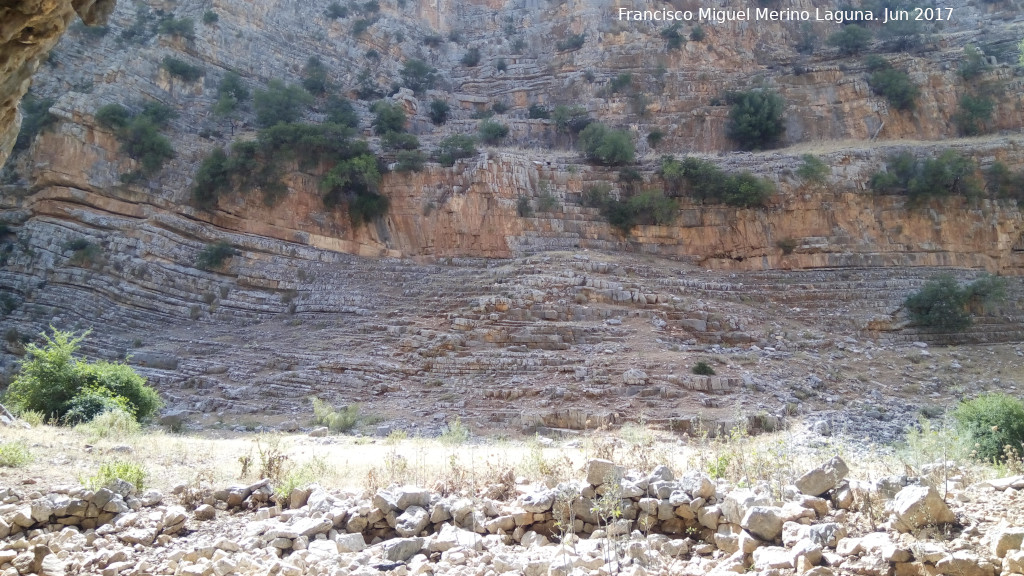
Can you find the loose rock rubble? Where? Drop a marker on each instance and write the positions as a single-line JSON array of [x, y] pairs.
[[616, 521]]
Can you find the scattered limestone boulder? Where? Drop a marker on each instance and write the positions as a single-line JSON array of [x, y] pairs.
[[1014, 562], [697, 485], [824, 534], [868, 565], [205, 512], [401, 549], [634, 377], [965, 563], [350, 543], [765, 522], [413, 521], [603, 471], [768, 557], [538, 502], [917, 506], [310, 527], [737, 502], [823, 478], [1005, 539], [407, 496]]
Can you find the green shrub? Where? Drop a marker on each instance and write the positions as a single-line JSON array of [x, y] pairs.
[[536, 111], [354, 181], [131, 472], [280, 104], [456, 434], [492, 132], [546, 201], [314, 76], [142, 141], [113, 116], [367, 207], [606, 146], [387, 117], [299, 477], [231, 84], [787, 245], [52, 381], [181, 70], [230, 93], [702, 368], [210, 17], [973, 64], [706, 182], [91, 402], [654, 138], [14, 455], [471, 58], [499, 107], [439, 110], [851, 39], [138, 32], [455, 147], [571, 42], [36, 117], [335, 11], [597, 196], [214, 255], [672, 37], [975, 111], [523, 207], [139, 134], [942, 303], [183, 28], [418, 76], [570, 119], [344, 420], [212, 180], [1001, 183], [619, 83], [896, 86], [808, 39], [812, 169], [755, 119], [949, 173], [84, 253], [994, 422], [697, 34], [399, 141], [112, 423], [650, 207], [501, 65], [361, 25], [409, 161], [340, 111]]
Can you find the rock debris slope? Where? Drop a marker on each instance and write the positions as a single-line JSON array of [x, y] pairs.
[[616, 521]]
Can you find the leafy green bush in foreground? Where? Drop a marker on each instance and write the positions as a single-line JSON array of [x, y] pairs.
[[51, 380], [993, 421]]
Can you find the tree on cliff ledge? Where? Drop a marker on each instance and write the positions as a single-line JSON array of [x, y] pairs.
[[755, 121]]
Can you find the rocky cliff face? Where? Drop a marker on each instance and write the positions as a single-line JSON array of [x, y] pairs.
[[28, 30], [468, 210], [403, 302]]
